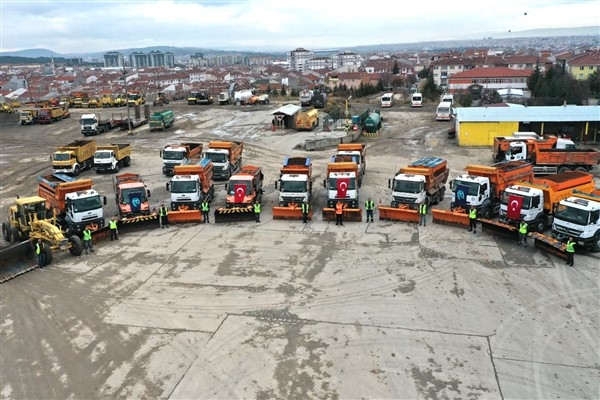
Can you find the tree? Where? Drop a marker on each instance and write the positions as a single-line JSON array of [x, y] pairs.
[[396, 69], [283, 91], [594, 84], [465, 100]]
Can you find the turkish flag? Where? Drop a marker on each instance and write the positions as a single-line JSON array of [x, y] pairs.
[[514, 207], [342, 187], [239, 192]]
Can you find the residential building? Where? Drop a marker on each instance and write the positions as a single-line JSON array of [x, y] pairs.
[[583, 65], [114, 59], [493, 78], [297, 59]]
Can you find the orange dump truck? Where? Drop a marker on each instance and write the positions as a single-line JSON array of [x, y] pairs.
[[244, 189], [191, 185], [295, 187], [131, 195], [226, 157], [342, 186], [502, 144], [535, 202], [356, 152]]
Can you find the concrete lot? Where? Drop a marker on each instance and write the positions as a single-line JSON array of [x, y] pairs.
[[286, 310]]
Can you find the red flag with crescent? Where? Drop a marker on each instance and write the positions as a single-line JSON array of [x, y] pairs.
[[342, 187], [240, 192], [514, 207]]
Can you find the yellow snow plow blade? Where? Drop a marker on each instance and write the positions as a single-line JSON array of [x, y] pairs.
[[234, 214], [499, 228], [349, 214], [402, 213], [549, 244], [183, 216], [16, 260], [450, 217]]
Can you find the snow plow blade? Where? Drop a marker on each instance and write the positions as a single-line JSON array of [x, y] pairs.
[[183, 216], [499, 228], [450, 217], [16, 260], [398, 214], [139, 223], [290, 212], [235, 214], [349, 214], [549, 244]]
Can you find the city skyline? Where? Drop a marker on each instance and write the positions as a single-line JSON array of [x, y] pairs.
[[73, 27]]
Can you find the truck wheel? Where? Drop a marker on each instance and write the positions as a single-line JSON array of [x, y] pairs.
[[563, 169], [6, 231], [76, 246], [14, 235], [117, 167], [486, 213], [539, 225], [76, 170], [581, 169], [596, 243], [48, 251], [127, 161]]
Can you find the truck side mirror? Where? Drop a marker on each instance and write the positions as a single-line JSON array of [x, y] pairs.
[[104, 200], [160, 153], [389, 183], [167, 186], [226, 186], [148, 193], [324, 183], [276, 184]]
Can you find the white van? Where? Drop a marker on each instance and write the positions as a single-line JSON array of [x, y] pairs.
[[448, 98], [416, 100], [387, 100]]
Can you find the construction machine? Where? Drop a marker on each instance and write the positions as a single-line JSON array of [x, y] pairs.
[[244, 189], [161, 120], [191, 185], [201, 96], [423, 181], [295, 188], [28, 222], [341, 183], [161, 99]]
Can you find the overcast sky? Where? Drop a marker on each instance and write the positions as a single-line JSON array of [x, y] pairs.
[[71, 27]]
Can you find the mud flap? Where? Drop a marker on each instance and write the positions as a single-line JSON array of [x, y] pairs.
[[549, 244], [450, 217], [499, 228], [16, 260], [349, 214], [398, 214], [234, 214], [290, 212]]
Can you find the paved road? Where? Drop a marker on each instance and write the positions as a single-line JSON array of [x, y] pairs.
[[292, 311]]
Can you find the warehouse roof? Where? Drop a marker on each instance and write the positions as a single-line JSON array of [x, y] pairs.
[[288, 109], [518, 112]]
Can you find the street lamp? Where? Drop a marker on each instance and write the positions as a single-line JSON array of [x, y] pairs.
[[129, 133]]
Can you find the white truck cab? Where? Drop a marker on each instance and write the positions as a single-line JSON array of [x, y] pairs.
[[294, 188], [408, 189], [532, 206], [518, 150], [351, 190], [579, 218]]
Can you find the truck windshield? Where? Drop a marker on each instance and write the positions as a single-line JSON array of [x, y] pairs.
[[136, 192], [183, 187], [172, 155], [333, 184], [572, 214], [408, 186], [526, 200], [217, 157], [292, 187], [473, 187], [88, 121], [61, 157], [87, 204], [233, 184], [102, 154]]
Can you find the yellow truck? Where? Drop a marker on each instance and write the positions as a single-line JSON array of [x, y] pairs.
[[107, 101], [74, 157], [307, 120], [28, 116]]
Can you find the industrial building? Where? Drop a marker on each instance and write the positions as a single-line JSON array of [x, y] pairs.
[[477, 126]]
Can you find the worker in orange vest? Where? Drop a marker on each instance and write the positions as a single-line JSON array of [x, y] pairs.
[[339, 209]]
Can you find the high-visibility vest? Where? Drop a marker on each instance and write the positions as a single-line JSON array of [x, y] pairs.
[[305, 208], [257, 208], [523, 227], [163, 211], [112, 224], [472, 214], [87, 235], [205, 206], [570, 247], [369, 205], [38, 248], [423, 208], [339, 208]]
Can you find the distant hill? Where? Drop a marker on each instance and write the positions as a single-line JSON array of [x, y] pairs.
[[485, 39]]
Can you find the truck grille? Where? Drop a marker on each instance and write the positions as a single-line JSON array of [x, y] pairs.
[[404, 200], [292, 199], [568, 231]]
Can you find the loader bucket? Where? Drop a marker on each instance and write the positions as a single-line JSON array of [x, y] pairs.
[[398, 214], [549, 244], [182, 216], [234, 214], [16, 260], [450, 217], [499, 228], [349, 214], [290, 212]]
